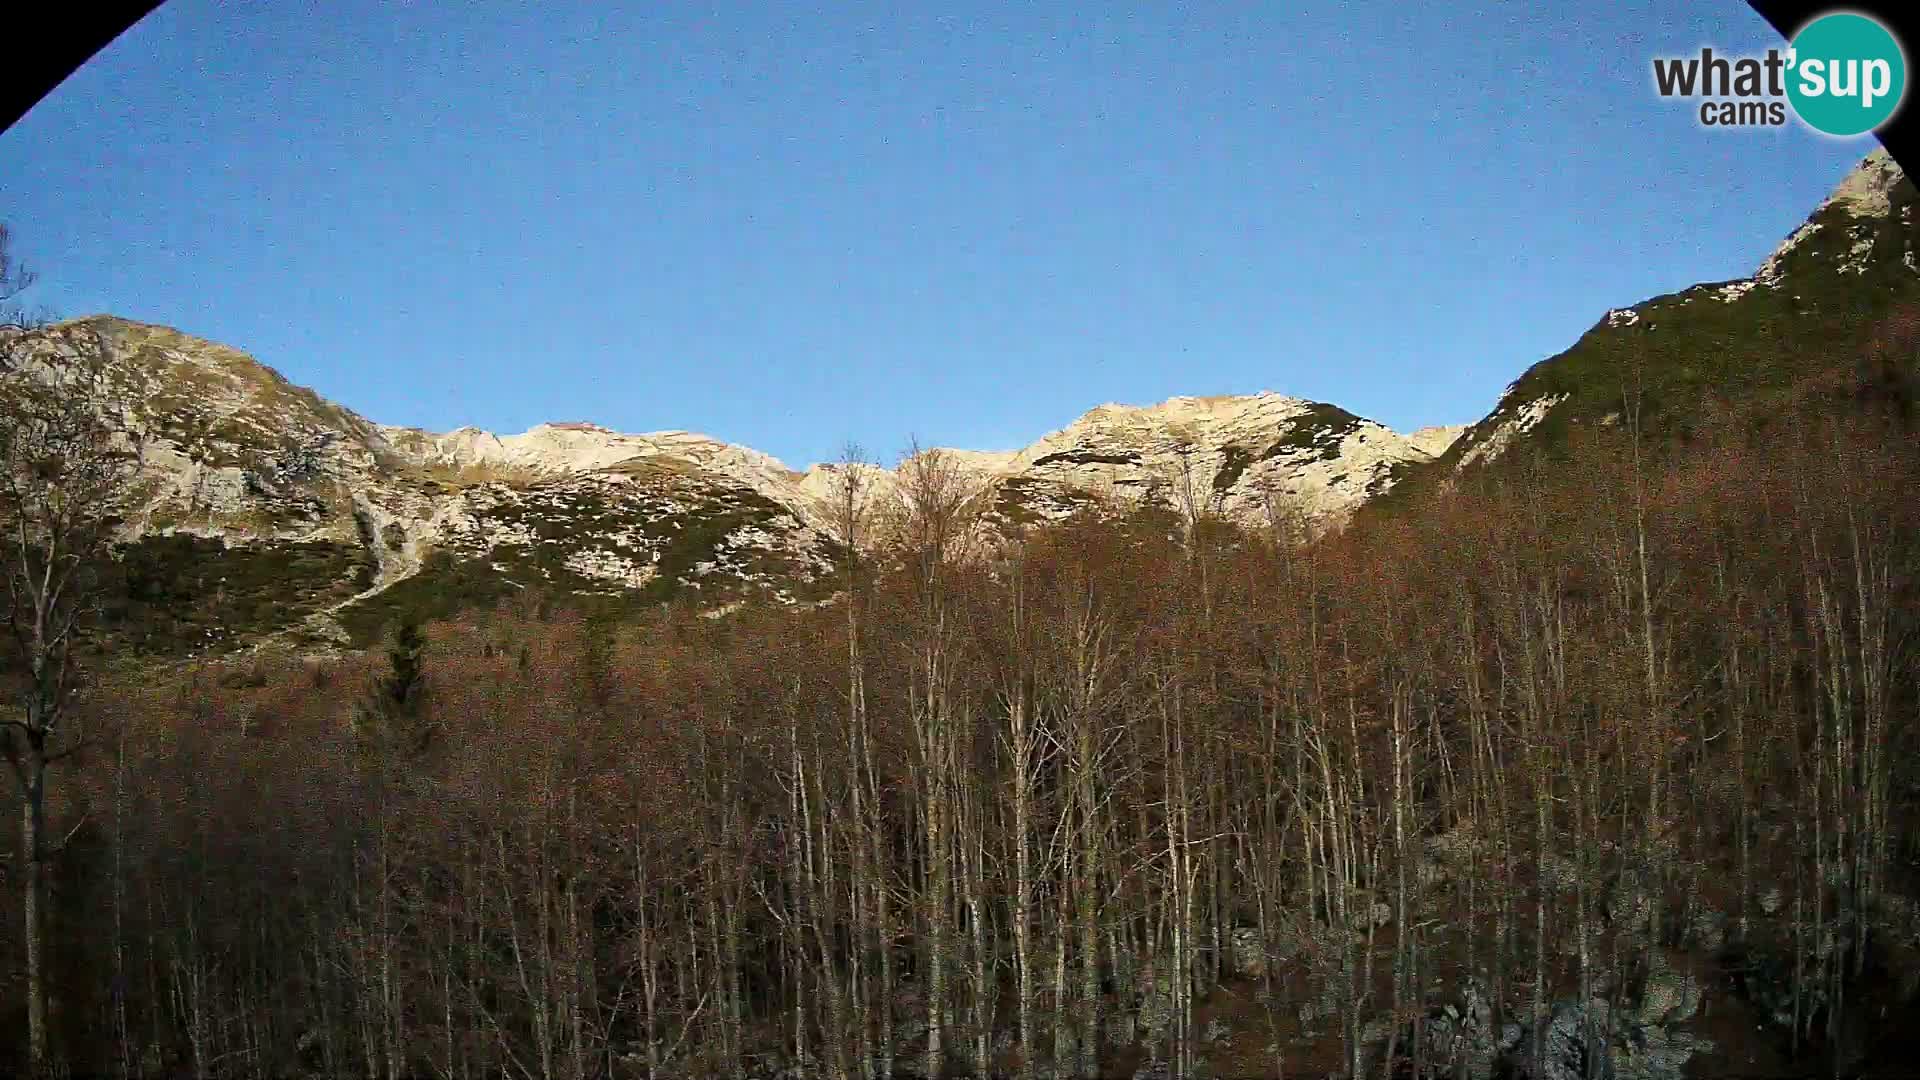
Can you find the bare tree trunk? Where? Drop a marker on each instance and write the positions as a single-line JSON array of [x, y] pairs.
[[33, 904], [1404, 989], [123, 1037], [65, 476], [936, 914], [1062, 1030], [1021, 746], [972, 842]]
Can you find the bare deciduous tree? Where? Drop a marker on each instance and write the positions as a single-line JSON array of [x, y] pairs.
[[66, 468], [15, 279]]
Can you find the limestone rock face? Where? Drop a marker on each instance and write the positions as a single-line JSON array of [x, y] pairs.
[[243, 460]]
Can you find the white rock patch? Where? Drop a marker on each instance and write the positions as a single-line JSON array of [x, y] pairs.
[[608, 566], [1524, 419]]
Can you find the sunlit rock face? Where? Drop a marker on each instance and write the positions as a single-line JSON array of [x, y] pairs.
[[251, 466]]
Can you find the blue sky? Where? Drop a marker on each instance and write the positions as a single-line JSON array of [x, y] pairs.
[[793, 226]]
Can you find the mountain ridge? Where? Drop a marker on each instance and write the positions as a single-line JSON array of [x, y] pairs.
[[1814, 298], [250, 466], [335, 522]]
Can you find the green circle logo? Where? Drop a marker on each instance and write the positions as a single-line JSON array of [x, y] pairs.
[[1847, 74]]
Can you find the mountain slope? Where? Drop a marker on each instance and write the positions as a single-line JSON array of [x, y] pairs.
[[277, 511], [1238, 456], [1809, 307]]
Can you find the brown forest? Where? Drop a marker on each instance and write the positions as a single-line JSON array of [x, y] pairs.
[[1621, 725]]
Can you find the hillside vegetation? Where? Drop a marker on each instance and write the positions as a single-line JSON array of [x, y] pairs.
[[1585, 752], [1586, 761]]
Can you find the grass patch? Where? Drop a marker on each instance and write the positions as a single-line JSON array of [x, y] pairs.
[[1317, 433], [1089, 457], [444, 586], [170, 595], [1232, 468]]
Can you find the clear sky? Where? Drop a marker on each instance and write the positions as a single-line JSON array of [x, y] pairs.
[[792, 226]]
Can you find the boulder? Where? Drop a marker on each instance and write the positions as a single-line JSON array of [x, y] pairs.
[[1157, 1010], [1453, 850], [1656, 1053], [1369, 915], [1462, 1035], [1591, 1043], [1451, 1041], [1707, 929], [1247, 952], [1668, 997], [1573, 1046]]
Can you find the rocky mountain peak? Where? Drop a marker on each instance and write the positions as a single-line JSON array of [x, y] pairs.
[[1866, 192]]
